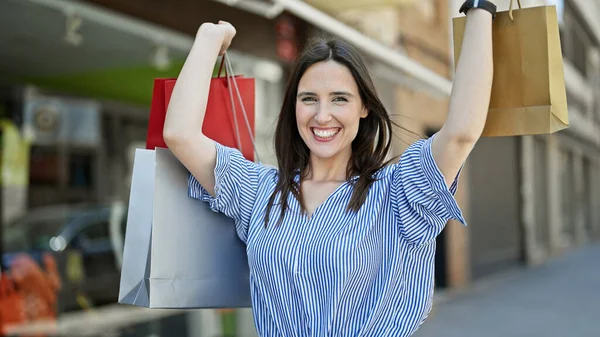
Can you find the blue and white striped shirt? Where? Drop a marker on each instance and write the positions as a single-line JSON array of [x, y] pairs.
[[339, 273]]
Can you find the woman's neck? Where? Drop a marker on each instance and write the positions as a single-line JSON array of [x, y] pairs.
[[329, 169]]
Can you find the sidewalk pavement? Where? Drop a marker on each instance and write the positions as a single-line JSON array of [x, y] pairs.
[[558, 299]]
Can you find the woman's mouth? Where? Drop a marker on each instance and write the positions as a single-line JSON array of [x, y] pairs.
[[325, 135]]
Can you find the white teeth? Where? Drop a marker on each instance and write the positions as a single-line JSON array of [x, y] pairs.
[[325, 133]]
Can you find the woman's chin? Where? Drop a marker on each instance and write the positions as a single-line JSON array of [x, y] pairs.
[[324, 151]]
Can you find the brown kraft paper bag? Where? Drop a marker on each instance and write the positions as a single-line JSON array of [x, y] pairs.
[[528, 91]]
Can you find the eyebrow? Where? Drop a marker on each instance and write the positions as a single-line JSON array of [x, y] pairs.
[[334, 93]]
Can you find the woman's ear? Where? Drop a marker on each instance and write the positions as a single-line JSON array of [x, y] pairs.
[[364, 112]]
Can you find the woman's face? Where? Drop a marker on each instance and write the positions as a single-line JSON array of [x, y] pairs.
[[328, 109]]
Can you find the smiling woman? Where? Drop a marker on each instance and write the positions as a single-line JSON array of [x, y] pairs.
[[339, 242], [332, 127]]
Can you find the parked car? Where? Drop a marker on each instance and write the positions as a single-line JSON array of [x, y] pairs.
[[79, 237]]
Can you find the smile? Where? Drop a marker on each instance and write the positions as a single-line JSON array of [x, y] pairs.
[[325, 134]]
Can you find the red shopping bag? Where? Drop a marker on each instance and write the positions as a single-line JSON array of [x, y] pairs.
[[219, 122]]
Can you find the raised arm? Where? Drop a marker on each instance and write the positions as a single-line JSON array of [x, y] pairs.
[[470, 98], [183, 125]]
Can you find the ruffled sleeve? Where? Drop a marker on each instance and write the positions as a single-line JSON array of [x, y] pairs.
[[422, 201], [236, 186]]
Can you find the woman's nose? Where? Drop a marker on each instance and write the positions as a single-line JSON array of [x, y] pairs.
[[323, 116]]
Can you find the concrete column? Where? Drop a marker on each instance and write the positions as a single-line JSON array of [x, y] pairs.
[[245, 323], [533, 253], [555, 195], [595, 203], [204, 323], [579, 224]]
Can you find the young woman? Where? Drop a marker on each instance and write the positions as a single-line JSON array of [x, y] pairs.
[[339, 243]]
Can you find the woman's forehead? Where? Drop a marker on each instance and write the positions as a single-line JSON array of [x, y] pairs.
[[328, 76]]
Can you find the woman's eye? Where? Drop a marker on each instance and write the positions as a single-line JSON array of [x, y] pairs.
[[340, 99], [309, 99]]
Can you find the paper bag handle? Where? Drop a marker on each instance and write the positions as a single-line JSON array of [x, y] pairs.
[[231, 78], [510, 9]]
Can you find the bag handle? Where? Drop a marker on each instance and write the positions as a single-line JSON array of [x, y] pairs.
[[510, 9], [231, 78], [221, 67]]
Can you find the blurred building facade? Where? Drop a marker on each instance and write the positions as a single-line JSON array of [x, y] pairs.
[[533, 198], [526, 199]]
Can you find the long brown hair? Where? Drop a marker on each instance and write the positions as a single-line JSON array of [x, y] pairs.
[[369, 149]]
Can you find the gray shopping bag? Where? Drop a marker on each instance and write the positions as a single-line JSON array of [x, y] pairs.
[[178, 252]]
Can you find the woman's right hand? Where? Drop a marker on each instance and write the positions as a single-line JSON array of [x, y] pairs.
[[185, 115], [223, 29]]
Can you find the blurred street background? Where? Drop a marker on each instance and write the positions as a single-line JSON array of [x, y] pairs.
[[553, 300], [75, 90]]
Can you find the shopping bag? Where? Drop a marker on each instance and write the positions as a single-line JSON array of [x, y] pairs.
[[178, 253], [224, 120], [528, 91], [158, 113]]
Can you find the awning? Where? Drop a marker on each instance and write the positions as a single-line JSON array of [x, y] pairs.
[[80, 49], [39, 44], [84, 49]]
